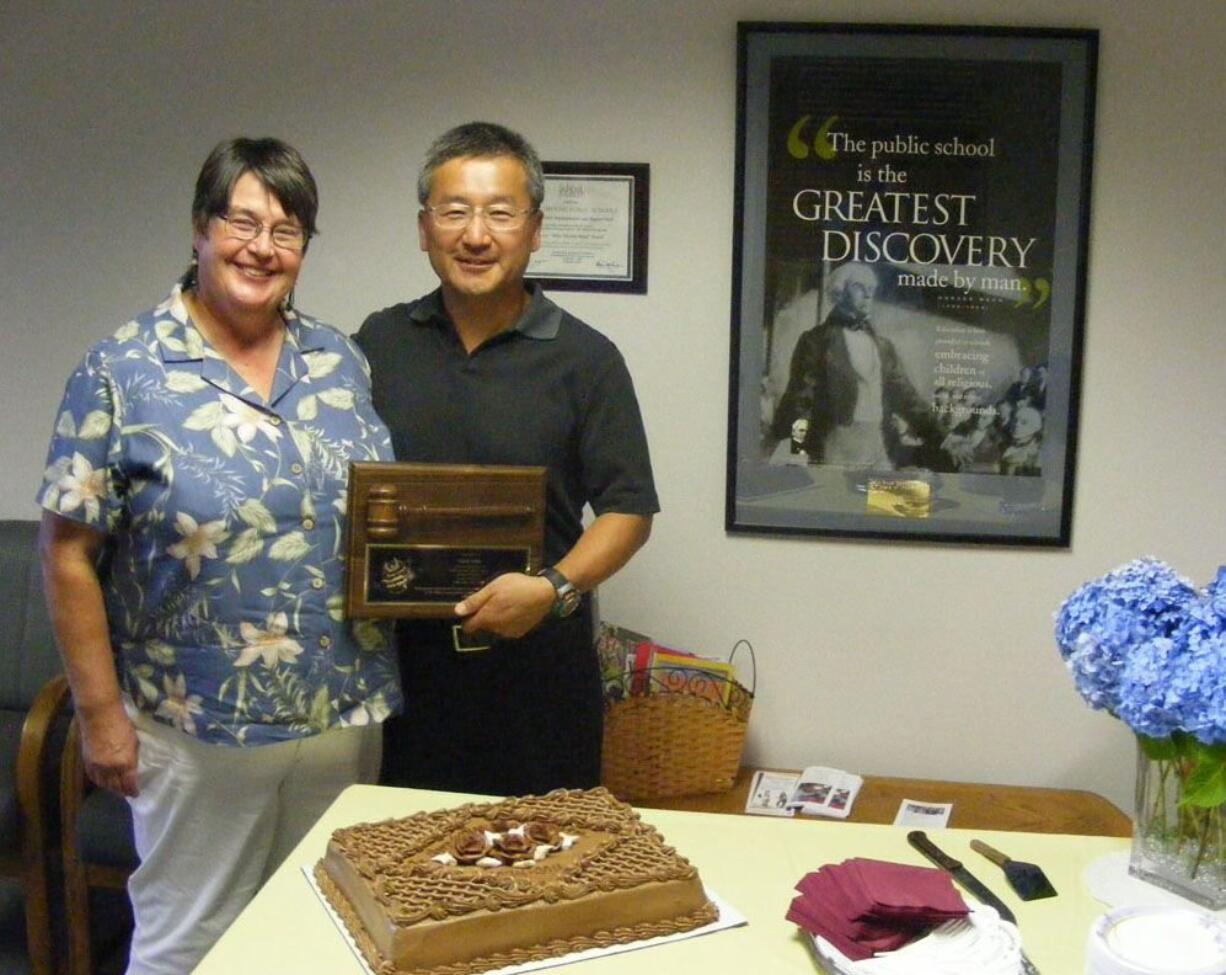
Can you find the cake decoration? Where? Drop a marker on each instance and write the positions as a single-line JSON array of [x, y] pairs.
[[504, 845], [482, 886]]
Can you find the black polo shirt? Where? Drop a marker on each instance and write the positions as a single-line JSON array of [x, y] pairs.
[[550, 392]]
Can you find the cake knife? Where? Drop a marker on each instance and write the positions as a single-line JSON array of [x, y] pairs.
[[919, 839]]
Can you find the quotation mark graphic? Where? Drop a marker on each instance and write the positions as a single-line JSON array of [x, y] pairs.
[[798, 148], [1036, 292]]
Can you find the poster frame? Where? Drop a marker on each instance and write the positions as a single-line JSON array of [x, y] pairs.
[[936, 503]]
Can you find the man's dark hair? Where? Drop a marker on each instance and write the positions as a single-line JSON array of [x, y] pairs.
[[481, 139], [276, 164]]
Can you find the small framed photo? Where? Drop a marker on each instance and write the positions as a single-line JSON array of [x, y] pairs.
[[594, 232]]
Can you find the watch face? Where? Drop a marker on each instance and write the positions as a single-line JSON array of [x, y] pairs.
[[568, 601]]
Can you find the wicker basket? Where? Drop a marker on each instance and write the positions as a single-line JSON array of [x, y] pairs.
[[661, 741]]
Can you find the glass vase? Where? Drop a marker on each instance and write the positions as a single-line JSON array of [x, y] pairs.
[[1179, 848]]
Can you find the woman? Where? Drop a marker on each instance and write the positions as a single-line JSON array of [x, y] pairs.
[[200, 457]]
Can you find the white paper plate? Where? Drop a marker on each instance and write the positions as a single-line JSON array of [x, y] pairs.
[[1157, 940]]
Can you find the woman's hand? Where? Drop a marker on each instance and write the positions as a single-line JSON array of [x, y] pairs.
[[109, 748], [78, 616]]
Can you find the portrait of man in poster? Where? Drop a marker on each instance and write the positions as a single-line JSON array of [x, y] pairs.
[[848, 395]]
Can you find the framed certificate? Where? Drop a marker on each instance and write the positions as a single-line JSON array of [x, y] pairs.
[[594, 232]]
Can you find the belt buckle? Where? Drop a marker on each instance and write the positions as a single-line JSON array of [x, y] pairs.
[[468, 643]]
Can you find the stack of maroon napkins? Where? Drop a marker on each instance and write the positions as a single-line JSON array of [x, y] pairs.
[[865, 906]]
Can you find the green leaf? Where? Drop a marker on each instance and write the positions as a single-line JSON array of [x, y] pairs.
[[160, 653], [303, 441], [321, 364], [181, 381], [290, 547], [225, 440], [1206, 786], [341, 399], [1158, 749], [370, 635], [147, 690], [193, 344], [246, 546], [321, 710], [257, 515], [95, 426], [205, 417], [1186, 745], [165, 330], [1209, 753], [308, 408]]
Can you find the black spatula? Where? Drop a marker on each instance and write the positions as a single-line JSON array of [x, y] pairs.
[[1027, 879]]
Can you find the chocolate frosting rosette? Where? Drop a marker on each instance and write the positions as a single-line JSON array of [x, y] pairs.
[[513, 846], [469, 845], [542, 834]]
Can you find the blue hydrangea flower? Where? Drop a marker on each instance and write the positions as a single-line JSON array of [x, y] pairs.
[[1215, 594], [1199, 685], [1099, 625], [1148, 698]]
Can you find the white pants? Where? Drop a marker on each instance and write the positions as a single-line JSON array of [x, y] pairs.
[[212, 822]]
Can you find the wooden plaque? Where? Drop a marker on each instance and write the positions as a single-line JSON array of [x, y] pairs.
[[424, 536]]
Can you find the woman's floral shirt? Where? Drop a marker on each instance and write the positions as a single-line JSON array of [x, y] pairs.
[[224, 565]]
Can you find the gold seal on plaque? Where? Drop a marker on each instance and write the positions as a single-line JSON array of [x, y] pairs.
[[424, 536]]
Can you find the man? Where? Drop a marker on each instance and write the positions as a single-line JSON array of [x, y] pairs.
[[848, 383], [487, 370]]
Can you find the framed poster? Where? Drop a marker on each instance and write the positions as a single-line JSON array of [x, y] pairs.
[[594, 232], [912, 207]]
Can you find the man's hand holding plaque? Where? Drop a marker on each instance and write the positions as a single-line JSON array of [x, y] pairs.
[[508, 606], [426, 537]]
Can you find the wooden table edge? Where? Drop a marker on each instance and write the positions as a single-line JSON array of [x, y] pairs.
[[976, 805]]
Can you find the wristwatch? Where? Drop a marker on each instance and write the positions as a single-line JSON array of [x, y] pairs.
[[567, 597]]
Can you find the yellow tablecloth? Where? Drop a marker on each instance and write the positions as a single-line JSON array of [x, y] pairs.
[[753, 862]]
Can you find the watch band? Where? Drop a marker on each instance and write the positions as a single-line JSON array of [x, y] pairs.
[[567, 597]]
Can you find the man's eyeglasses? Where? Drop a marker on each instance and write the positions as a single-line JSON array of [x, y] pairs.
[[498, 217], [286, 236]]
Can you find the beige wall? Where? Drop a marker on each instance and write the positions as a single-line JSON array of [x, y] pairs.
[[920, 660]]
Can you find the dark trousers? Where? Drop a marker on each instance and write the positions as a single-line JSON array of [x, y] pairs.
[[520, 718]]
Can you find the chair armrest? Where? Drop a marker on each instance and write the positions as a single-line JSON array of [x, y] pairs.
[[36, 807], [36, 739]]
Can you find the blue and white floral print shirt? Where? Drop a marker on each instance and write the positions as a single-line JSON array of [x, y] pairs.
[[224, 517]]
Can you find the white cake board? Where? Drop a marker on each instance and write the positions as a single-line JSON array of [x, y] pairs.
[[729, 917], [1108, 879]]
